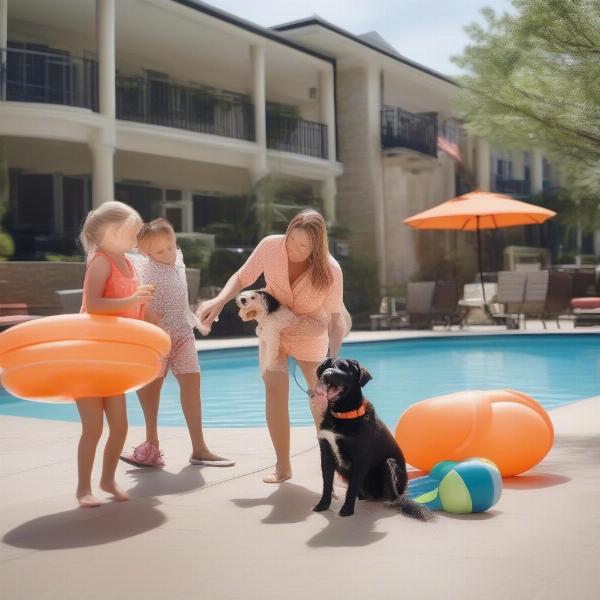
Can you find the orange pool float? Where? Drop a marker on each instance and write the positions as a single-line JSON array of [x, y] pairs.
[[505, 426], [64, 357]]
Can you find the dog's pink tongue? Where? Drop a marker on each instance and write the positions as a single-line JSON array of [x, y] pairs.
[[332, 392], [320, 398]]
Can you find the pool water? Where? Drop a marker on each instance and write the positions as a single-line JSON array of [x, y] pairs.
[[554, 369]]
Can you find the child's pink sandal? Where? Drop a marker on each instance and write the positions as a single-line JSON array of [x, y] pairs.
[[144, 455]]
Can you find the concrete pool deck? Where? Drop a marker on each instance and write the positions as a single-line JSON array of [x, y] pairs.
[[224, 534]]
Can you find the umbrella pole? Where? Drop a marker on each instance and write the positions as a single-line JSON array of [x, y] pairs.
[[479, 263]]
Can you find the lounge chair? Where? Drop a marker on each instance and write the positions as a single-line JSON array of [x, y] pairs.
[[536, 290], [586, 310], [511, 294], [419, 304], [472, 307], [558, 297], [388, 317], [444, 308]]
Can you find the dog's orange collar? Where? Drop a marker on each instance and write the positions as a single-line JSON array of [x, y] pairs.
[[352, 414]]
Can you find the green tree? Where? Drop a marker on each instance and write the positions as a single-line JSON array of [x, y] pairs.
[[533, 80], [7, 247]]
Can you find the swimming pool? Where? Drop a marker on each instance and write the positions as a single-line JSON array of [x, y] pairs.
[[554, 369]]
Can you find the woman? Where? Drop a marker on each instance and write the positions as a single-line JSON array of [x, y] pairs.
[[302, 275]]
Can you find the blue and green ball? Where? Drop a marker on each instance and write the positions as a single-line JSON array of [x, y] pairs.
[[473, 485]]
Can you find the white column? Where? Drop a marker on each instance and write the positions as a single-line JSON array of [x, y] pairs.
[[518, 164], [3, 44], [377, 171], [105, 47], [536, 170], [188, 211], [102, 176], [327, 109], [328, 192], [259, 99], [483, 165]]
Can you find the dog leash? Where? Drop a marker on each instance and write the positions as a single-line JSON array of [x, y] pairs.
[[309, 393]]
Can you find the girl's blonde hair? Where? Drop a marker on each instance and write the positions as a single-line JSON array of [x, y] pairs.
[[314, 225], [99, 219], [159, 226]]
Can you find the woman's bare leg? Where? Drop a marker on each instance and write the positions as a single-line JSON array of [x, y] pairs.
[[116, 415], [91, 414], [278, 422], [149, 397], [189, 390], [309, 370]]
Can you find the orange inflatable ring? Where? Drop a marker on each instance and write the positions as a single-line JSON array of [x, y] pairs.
[[507, 427], [61, 358]]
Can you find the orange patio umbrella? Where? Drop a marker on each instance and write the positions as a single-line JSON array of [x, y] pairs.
[[480, 210]]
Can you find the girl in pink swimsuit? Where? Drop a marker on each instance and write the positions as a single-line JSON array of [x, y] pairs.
[[302, 275], [111, 287], [165, 271]]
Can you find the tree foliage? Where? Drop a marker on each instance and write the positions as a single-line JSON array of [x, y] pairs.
[[533, 79]]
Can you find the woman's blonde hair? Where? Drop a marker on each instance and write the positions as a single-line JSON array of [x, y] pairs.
[[314, 225], [159, 226], [99, 219]]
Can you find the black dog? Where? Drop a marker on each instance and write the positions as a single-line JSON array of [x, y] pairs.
[[356, 444]]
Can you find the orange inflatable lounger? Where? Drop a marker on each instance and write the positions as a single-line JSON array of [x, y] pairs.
[[64, 357], [505, 426]]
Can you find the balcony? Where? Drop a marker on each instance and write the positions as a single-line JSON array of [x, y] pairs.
[[515, 187], [162, 101], [50, 77], [413, 131], [292, 134]]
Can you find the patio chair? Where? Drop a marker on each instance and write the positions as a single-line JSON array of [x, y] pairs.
[[558, 297], [444, 307], [511, 294], [419, 303], [472, 308], [586, 310], [584, 281], [70, 300], [388, 317], [536, 290]]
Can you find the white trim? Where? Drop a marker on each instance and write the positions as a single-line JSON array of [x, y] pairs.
[[299, 165], [81, 125], [180, 143]]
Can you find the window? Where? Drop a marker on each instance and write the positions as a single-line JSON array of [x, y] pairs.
[[35, 208], [145, 199], [174, 214], [76, 203], [215, 209]]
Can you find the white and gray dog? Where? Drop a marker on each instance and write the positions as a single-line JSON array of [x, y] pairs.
[[272, 317]]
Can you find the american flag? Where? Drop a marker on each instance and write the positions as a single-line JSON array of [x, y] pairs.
[[450, 148]]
